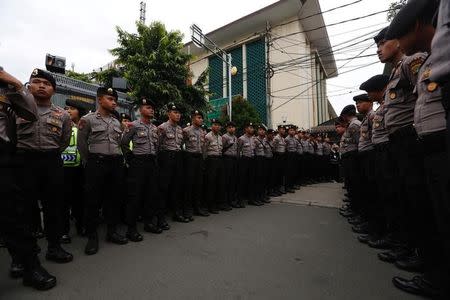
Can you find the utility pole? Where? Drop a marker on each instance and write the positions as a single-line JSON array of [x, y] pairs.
[[142, 12], [202, 41]]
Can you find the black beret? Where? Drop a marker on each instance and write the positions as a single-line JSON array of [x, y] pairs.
[[146, 101], [375, 83], [362, 97], [281, 126], [380, 35], [249, 124], [171, 106], [82, 109], [349, 110], [103, 91], [231, 124], [196, 113], [340, 121], [262, 126], [407, 16], [38, 73], [270, 131], [215, 121]]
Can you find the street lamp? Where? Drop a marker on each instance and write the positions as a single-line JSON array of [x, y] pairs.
[[202, 41]]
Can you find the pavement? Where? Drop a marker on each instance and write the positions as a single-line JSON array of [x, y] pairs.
[[293, 248]]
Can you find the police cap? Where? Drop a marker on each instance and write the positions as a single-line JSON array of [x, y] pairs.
[[375, 83]]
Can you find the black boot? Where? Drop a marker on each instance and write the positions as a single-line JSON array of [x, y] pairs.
[[150, 227], [133, 235], [38, 278], [57, 254], [16, 270], [114, 237], [92, 244]]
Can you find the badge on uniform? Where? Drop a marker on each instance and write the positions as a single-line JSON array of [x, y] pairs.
[[432, 86], [392, 95], [426, 74], [415, 65]]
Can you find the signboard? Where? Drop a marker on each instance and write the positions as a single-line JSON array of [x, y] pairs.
[[216, 109]]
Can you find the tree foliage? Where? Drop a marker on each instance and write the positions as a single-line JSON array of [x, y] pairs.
[[242, 112], [79, 76], [155, 65], [394, 8]]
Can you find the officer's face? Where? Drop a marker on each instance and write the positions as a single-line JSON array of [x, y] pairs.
[[270, 136], [231, 129], [291, 132], [174, 116], [73, 113], [147, 111], [363, 106], [261, 132], [108, 102], [376, 96], [250, 130], [216, 127], [282, 130], [41, 88], [197, 120], [387, 50], [340, 129]]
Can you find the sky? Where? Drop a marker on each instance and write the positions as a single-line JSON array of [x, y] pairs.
[[82, 31]]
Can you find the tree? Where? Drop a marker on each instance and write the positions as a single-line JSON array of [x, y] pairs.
[[105, 77], [79, 76], [394, 8], [243, 112], [155, 65]]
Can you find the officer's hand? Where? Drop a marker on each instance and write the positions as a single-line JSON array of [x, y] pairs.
[[7, 78]]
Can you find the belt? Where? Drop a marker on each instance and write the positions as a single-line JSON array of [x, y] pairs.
[[214, 157], [230, 156], [104, 157], [434, 142], [247, 157], [194, 154], [382, 146], [350, 153], [406, 131], [144, 156], [52, 152]]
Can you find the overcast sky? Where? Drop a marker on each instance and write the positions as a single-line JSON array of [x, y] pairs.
[[83, 31]]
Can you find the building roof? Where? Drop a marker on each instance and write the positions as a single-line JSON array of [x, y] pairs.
[[276, 13]]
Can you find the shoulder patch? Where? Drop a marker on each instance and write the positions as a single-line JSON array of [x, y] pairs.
[[415, 64]]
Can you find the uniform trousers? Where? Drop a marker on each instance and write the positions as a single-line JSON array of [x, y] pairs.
[[352, 169], [171, 182], [280, 170], [42, 179], [103, 171], [73, 196], [246, 168], [231, 179], [194, 166], [214, 183], [15, 225], [142, 189], [260, 177], [291, 169]]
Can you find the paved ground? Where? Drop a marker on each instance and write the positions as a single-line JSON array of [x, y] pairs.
[[278, 251]]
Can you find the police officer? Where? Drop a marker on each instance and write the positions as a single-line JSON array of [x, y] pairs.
[[260, 153], [300, 159], [349, 154], [279, 155], [246, 152], [413, 27], [16, 101], [171, 163], [39, 147], [269, 164], [405, 149], [318, 151], [73, 174], [194, 140], [307, 157], [99, 135], [229, 150], [291, 158], [214, 186], [142, 172], [326, 159]]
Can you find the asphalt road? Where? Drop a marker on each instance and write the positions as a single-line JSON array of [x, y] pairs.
[[278, 251]]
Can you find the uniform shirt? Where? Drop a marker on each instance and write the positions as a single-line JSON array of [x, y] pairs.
[[268, 150], [246, 146], [307, 147], [291, 144], [319, 149], [326, 149], [229, 143], [170, 137], [213, 144], [365, 137], [193, 139], [429, 113], [440, 45], [399, 98], [379, 132], [299, 146], [98, 135], [350, 138], [279, 144], [144, 137], [259, 146], [19, 104], [51, 131]]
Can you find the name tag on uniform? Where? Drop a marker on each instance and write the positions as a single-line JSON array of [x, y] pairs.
[[170, 135], [54, 121], [142, 133], [193, 138]]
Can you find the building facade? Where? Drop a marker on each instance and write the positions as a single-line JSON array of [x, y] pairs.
[[283, 57]]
